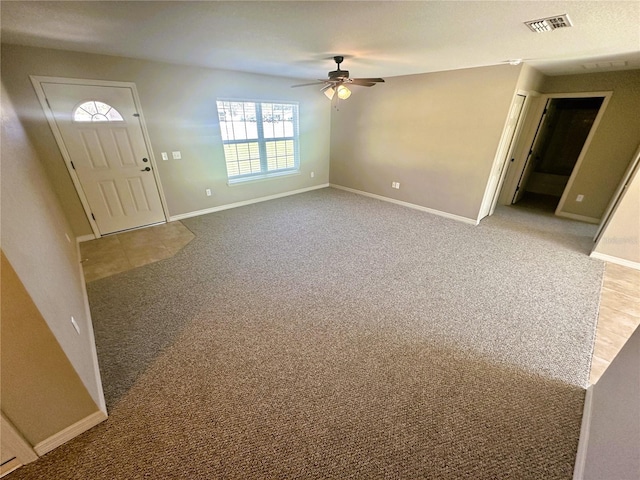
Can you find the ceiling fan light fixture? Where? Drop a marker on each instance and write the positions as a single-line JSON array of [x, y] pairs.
[[343, 92], [336, 80], [330, 92]]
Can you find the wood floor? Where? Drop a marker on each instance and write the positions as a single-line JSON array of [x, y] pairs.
[[619, 312], [619, 315]]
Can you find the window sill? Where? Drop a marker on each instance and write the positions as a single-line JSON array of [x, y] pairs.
[[261, 178]]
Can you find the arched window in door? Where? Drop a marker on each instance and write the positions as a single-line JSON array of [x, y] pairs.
[[95, 111]]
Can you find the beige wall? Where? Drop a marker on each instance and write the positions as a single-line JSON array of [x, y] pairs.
[[180, 112], [41, 392], [613, 439], [437, 134], [621, 237], [614, 142], [530, 80], [38, 242]]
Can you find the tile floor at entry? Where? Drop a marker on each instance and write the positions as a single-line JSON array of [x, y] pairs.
[[120, 252], [618, 317]]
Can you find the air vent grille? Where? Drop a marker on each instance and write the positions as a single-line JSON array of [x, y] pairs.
[[549, 23]]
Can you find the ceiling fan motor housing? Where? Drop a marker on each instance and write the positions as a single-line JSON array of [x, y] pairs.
[[338, 78], [339, 74]]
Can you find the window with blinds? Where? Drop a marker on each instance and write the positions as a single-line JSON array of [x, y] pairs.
[[260, 139]]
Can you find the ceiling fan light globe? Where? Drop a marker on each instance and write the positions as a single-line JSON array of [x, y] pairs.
[[343, 92], [330, 92]]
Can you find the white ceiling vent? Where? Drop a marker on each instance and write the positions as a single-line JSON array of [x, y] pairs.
[[549, 23]]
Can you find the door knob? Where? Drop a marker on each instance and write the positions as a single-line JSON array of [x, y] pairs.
[[148, 169]]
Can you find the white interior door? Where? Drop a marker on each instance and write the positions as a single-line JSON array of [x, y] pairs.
[[543, 129], [505, 151], [101, 132]]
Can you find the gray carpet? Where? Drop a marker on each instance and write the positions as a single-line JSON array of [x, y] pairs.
[[329, 335]]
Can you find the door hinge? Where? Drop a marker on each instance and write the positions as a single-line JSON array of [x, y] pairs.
[[93, 216], [545, 110], [517, 188], [47, 100], [136, 114], [72, 165]]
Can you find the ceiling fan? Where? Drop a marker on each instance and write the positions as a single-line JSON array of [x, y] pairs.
[[337, 81]]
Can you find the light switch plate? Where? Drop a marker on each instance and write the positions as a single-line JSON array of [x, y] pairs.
[[176, 155], [165, 156]]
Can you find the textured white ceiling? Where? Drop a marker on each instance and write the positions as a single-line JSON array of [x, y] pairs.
[[298, 38]]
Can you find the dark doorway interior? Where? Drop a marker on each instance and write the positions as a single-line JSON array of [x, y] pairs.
[[565, 128], [539, 201]]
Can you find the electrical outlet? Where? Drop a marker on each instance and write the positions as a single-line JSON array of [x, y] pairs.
[[165, 156], [579, 198], [176, 155], [313, 174], [208, 192], [395, 185], [75, 325], [398, 185]]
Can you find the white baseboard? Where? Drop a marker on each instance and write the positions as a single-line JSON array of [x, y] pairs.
[[616, 260], [70, 432], [471, 221], [219, 208], [13, 440], [10, 466], [85, 238], [581, 218], [583, 443]]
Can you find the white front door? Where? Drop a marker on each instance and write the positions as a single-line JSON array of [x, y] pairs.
[[102, 134]]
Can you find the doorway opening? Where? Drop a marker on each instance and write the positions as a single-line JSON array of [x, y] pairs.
[[550, 153], [562, 133]]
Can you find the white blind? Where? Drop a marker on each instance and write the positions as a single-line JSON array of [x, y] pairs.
[[259, 138]]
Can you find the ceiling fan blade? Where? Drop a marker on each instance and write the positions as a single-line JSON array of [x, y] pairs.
[[359, 82], [339, 78], [308, 84]]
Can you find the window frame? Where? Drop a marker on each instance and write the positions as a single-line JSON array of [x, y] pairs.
[[80, 106], [262, 141]]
